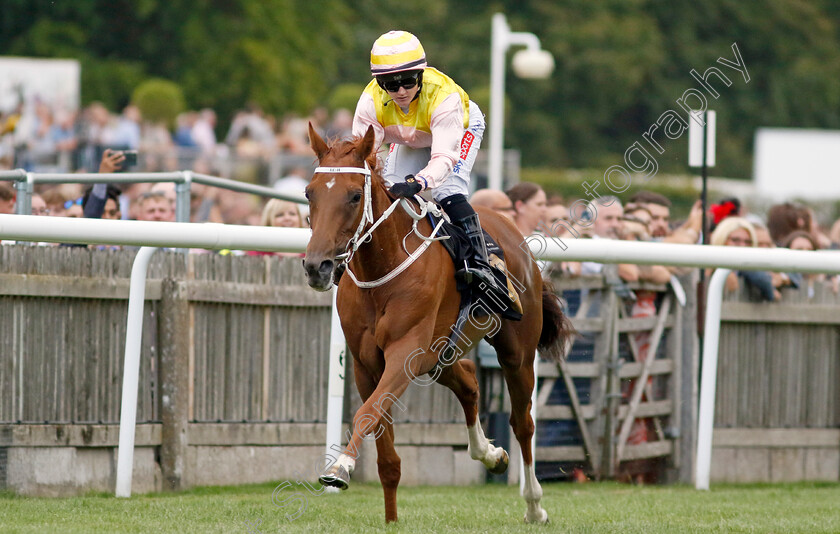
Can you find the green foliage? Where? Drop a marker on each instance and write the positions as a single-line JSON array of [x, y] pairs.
[[159, 100], [345, 95]]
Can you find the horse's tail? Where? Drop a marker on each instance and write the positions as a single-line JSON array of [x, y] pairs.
[[557, 329]]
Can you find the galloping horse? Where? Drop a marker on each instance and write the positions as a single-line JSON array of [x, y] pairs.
[[400, 330]]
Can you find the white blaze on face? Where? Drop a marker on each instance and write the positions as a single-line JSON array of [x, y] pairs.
[[331, 183]]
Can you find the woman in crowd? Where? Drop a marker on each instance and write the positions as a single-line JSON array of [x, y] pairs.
[[802, 240], [529, 205], [283, 214], [739, 232]]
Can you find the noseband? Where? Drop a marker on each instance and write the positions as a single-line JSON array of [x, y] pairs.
[[361, 237]]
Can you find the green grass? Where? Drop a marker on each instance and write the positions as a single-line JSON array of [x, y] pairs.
[[585, 508]]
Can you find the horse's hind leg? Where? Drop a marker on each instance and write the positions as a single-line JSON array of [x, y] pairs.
[[460, 378], [518, 368]]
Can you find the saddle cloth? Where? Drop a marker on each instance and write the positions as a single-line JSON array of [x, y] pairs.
[[461, 251]]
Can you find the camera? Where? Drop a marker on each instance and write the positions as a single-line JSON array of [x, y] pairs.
[[130, 158]]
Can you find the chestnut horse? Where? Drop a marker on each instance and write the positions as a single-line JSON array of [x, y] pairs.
[[397, 332]]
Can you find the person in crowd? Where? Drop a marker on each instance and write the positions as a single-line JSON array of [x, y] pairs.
[[823, 241], [556, 215], [55, 200], [7, 198], [786, 218], [102, 201], [73, 208], [184, 124], [834, 235], [607, 224], [64, 138], [660, 226], [528, 206], [282, 214], [341, 126], [203, 133], [739, 232], [494, 199], [155, 206], [39, 207], [294, 182], [203, 205], [94, 131], [40, 155], [762, 234], [802, 240], [126, 131], [640, 214], [435, 131], [634, 227], [727, 207], [259, 129]]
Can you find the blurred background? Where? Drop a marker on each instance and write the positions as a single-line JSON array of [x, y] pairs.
[[274, 65]]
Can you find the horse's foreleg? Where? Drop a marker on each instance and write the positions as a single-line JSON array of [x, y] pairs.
[[520, 381], [373, 418], [460, 378], [389, 465], [338, 474]]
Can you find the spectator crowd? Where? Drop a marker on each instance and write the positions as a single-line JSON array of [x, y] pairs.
[[40, 139]]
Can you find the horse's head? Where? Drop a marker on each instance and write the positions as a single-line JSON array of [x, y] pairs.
[[336, 202]]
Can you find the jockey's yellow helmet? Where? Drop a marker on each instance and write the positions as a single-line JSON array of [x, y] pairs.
[[396, 51]]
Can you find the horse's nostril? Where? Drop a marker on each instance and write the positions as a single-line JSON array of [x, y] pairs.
[[326, 267]]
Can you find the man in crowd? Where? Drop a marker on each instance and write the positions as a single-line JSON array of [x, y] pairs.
[[607, 225], [660, 211], [494, 199], [155, 206]]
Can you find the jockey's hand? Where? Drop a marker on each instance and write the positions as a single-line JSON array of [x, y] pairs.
[[406, 189]]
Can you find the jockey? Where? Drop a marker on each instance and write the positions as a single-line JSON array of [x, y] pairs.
[[435, 131]]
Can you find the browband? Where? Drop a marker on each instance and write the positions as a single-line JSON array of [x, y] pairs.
[[338, 170]]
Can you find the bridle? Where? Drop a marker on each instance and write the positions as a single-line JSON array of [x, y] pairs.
[[361, 236]]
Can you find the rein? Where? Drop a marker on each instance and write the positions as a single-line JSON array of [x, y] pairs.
[[361, 236]]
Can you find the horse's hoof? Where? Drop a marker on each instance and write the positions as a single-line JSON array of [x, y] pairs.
[[540, 518], [336, 478], [502, 465]]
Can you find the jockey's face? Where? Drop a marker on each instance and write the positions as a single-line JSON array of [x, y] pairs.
[[402, 87], [404, 96]]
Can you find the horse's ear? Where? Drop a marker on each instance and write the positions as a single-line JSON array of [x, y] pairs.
[[366, 146], [317, 144]]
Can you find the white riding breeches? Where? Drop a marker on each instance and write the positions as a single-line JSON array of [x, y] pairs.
[[403, 160]]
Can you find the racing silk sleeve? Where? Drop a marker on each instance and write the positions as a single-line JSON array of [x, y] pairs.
[[365, 116], [447, 125]]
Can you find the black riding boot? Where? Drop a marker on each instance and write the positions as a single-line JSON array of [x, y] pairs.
[[478, 273]]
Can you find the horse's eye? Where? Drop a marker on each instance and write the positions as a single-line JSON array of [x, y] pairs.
[[306, 194], [356, 198]]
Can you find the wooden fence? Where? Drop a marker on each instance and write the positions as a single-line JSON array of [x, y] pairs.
[[235, 354], [777, 415], [622, 372]]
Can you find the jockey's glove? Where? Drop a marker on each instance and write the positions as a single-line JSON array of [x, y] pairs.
[[406, 189]]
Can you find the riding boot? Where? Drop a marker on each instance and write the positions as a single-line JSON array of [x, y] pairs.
[[478, 273]]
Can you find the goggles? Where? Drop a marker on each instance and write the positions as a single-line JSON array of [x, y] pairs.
[[393, 85]]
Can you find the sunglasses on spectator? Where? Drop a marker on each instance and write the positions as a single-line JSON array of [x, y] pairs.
[[393, 86], [69, 204]]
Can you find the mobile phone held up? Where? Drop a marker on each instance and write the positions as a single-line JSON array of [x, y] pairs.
[[130, 158]]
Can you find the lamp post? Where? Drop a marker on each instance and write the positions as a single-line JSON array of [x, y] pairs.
[[533, 62]]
